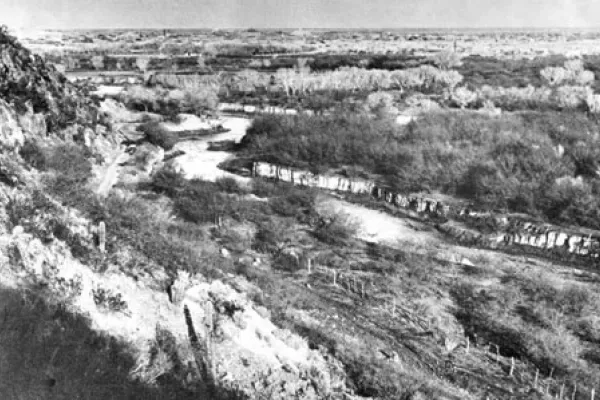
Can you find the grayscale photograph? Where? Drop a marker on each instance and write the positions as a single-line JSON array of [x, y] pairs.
[[303, 200]]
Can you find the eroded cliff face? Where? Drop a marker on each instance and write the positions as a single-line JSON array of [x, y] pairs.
[[509, 230]]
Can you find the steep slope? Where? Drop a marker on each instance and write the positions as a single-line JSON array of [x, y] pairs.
[[33, 87], [76, 322]]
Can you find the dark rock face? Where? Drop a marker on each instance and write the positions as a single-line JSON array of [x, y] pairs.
[[34, 88]]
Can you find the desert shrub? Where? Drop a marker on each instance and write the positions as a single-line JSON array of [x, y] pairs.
[[463, 97], [108, 300], [22, 209], [34, 154], [295, 202], [381, 104], [271, 233], [166, 181], [288, 262], [141, 98], [264, 188], [229, 185], [335, 227], [234, 240], [159, 136]]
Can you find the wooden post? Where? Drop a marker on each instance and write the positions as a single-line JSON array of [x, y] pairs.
[[562, 391], [512, 366], [309, 264], [468, 344], [334, 278], [593, 394], [537, 375], [574, 391]]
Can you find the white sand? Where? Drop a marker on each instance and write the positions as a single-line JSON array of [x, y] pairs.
[[377, 226], [108, 91], [187, 122], [199, 162]]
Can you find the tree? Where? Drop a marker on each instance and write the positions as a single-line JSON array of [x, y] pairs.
[[447, 60], [381, 104], [98, 62], [554, 76], [463, 97], [142, 63]]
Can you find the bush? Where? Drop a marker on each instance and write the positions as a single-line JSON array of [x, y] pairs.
[[335, 228], [159, 136], [106, 299], [229, 185], [34, 154]]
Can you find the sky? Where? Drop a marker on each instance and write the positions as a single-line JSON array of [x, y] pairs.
[[137, 14]]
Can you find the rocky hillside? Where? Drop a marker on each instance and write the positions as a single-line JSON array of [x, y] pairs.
[[33, 87], [85, 307]]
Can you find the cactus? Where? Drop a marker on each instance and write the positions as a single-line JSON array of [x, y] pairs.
[[102, 237]]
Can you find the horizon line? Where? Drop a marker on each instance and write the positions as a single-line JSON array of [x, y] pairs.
[[307, 28]]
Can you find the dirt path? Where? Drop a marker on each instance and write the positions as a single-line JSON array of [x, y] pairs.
[[110, 176]]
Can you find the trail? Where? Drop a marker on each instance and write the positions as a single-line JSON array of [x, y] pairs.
[[110, 176]]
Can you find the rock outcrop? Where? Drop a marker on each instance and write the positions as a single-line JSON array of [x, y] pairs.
[[11, 134], [32, 86]]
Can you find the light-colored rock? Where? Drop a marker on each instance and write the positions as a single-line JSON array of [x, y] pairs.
[[11, 134]]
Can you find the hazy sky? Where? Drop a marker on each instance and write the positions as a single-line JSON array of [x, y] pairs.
[[295, 13]]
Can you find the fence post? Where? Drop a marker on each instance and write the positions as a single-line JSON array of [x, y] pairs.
[[512, 366], [537, 375], [334, 278], [309, 264], [468, 344], [593, 394]]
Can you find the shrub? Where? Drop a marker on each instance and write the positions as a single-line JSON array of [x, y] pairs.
[[229, 185], [158, 135], [108, 300], [335, 228], [34, 154]]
